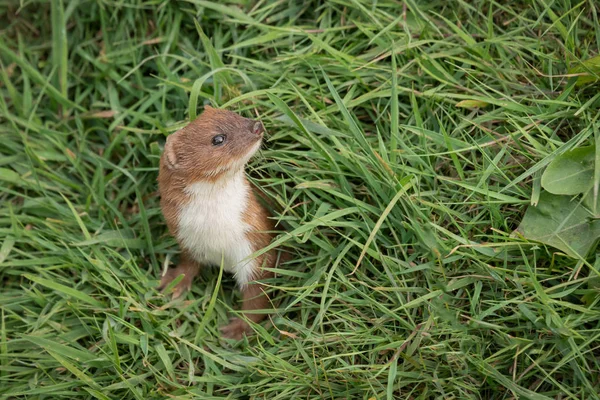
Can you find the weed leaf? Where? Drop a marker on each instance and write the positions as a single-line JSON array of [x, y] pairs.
[[571, 173], [561, 222], [589, 70]]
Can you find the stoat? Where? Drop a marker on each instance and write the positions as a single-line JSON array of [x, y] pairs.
[[211, 209]]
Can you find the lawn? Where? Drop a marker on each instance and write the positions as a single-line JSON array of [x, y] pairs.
[[406, 141]]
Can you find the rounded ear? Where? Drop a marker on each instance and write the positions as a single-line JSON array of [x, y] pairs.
[[169, 152]]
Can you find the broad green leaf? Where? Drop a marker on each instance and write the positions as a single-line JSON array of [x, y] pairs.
[[589, 70], [571, 173], [561, 222]]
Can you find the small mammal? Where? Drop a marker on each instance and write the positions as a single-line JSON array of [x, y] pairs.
[[211, 210]]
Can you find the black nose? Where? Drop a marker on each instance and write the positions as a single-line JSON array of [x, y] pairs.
[[258, 128]]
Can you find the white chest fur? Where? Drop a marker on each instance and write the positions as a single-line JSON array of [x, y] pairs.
[[211, 225]]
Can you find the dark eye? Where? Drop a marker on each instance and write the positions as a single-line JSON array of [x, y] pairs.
[[218, 140]]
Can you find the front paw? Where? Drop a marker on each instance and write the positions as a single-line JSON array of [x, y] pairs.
[[181, 287], [236, 329]]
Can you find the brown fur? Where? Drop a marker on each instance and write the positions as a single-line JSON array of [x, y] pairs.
[[195, 139], [189, 157]]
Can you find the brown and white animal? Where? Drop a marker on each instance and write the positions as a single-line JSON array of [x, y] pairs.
[[211, 209]]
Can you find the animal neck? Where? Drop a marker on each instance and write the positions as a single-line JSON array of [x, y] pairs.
[[233, 185]]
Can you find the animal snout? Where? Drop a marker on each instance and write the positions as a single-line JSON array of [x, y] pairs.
[[258, 128]]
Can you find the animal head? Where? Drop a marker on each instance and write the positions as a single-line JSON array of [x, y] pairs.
[[216, 143]]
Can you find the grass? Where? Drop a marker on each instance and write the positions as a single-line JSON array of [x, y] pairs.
[[398, 205]]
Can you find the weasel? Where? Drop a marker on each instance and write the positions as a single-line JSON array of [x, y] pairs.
[[211, 210]]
